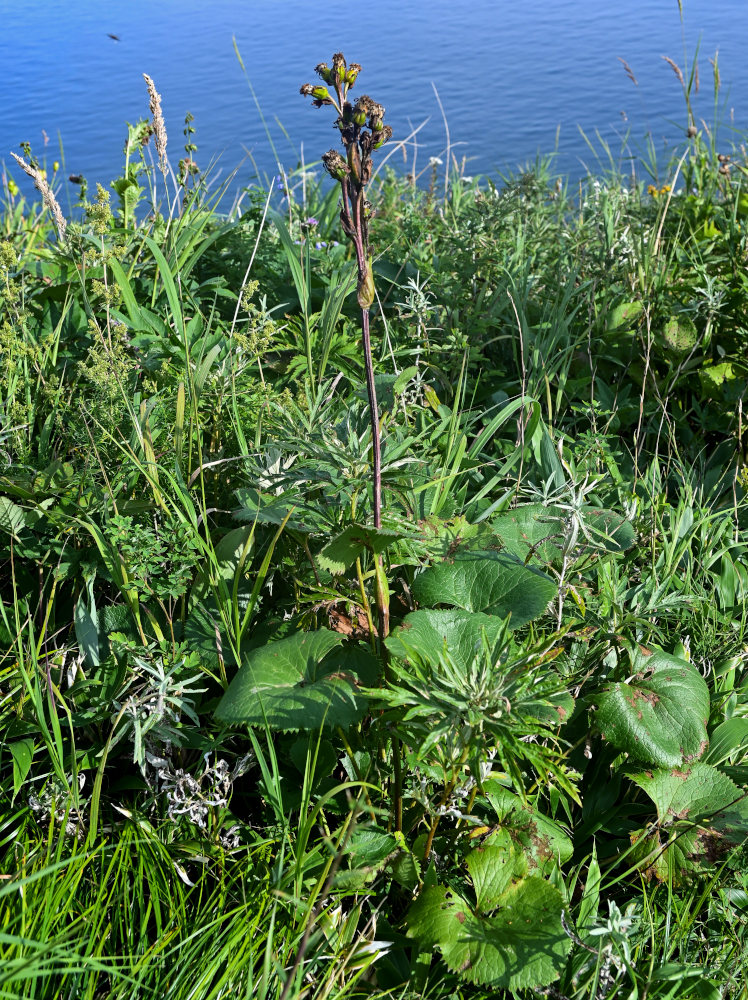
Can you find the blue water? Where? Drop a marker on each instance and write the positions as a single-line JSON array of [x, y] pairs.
[[514, 78]]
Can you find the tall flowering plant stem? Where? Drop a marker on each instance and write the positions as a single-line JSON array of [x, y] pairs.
[[362, 130]]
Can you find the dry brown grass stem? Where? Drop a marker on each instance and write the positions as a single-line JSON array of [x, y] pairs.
[[676, 69], [629, 71], [46, 192], [159, 127]]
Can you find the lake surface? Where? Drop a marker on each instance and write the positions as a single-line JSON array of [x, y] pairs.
[[514, 78]]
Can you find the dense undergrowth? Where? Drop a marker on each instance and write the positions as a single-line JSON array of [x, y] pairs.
[[217, 776]]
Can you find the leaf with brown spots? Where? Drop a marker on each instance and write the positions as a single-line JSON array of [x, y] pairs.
[[658, 717]]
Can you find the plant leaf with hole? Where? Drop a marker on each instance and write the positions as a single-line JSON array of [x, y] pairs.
[[487, 581], [660, 716], [303, 682], [539, 844]]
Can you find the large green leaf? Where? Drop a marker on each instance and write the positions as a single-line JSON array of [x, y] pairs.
[[536, 531], [487, 581], [522, 945], [427, 633], [701, 813], [659, 717], [303, 682]]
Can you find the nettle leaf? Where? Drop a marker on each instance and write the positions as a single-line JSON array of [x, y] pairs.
[[701, 807], [426, 633], [352, 542], [303, 682], [660, 716], [487, 581], [522, 945]]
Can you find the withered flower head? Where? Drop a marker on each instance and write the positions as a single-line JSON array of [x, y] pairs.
[[323, 70], [320, 94], [370, 106], [353, 70], [335, 165], [338, 66], [383, 136]]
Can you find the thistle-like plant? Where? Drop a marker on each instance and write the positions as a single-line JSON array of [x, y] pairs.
[[362, 130]]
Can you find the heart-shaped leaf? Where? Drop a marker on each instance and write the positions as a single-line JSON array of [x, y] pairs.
[[487, 581], [427, 633], [303, 682], [537, 532], [539, 844], [660, 716]]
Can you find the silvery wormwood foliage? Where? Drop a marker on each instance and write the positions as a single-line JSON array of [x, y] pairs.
[[157, 698], [194, 796]]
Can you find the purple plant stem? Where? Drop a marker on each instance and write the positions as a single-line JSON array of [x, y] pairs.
[[374, 417]]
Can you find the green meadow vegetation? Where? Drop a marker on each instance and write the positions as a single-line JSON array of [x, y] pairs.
[[374, 582]]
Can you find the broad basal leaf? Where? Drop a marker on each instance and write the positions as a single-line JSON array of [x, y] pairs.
[[538, 843], [700, 811], [660, 716], [302, 682], [487, 581], [427, 633], [537, 532], [522, 945]]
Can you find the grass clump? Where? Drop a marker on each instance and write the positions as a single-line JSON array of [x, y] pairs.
[[388, 644]]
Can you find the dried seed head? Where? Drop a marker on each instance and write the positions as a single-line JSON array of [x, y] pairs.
[[46, 192], [692, 131], [370, 106], [158, 126], [359, 115], [323, 70], [353, 70]]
